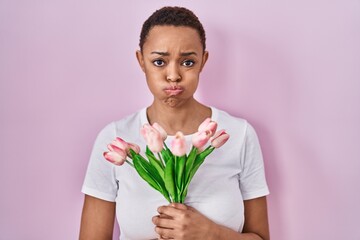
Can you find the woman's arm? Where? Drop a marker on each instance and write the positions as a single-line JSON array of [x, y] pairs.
[[256, 217], [97, 220], [187, 223], [256, 225]]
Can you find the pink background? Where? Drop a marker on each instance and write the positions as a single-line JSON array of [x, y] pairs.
[[291, 68]]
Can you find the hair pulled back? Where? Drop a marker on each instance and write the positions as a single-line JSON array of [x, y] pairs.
[[172, 16]]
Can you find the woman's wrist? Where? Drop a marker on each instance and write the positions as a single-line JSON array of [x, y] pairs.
[[214, 231], [219, 232]]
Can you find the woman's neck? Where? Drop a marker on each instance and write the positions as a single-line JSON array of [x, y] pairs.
[[186, 118]]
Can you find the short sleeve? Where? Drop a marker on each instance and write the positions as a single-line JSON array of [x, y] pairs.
[[252, 177], [100, 180]]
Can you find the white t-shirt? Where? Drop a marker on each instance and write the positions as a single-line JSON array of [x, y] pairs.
[[229, 175]]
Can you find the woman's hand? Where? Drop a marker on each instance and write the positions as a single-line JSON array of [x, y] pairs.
[[178, 221]]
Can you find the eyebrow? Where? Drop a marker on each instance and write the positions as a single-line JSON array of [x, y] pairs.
[[184, 54]]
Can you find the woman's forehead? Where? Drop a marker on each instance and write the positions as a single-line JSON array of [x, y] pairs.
[[164, 38]]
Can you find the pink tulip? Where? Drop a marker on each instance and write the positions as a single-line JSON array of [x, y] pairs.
[[178, 145], [120, 143], [199, 139], [161, 130], [125, 146], [152, 137], [134, 147], [208, 125], [116, 155], [219, 138]]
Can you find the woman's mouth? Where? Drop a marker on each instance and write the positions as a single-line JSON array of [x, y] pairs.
[[172, 91]]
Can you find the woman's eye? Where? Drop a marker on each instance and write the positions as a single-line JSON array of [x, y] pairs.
[[159, 63], [188, 63]]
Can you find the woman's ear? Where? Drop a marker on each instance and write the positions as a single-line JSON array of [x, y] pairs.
[[204, 59], [140, 59]]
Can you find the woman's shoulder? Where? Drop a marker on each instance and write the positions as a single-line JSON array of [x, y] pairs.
[[128, 124], [237, 127], [226, 119], [130, 119]]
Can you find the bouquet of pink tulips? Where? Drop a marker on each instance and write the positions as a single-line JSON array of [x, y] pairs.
[[168, 171]]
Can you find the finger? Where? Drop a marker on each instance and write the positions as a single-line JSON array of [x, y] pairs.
[[163, 222], [170, 211], [163, 238], [164, 233], [164, 216], [179, 206], [191, 209]]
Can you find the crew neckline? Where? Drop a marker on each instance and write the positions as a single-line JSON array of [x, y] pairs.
[[144, 119]]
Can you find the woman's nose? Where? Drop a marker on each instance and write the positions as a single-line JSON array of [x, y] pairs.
[[173, 74]]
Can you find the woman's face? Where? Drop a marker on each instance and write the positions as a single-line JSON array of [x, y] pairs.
[[172, 59]]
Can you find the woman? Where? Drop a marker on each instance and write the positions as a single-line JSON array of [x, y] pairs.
[[227, 196]]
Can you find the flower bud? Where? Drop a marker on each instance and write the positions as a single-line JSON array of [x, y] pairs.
[[178, 145], [116, 155], [219, 138], [208, 125], [204, 124], [161, 130], [120, 143], [199, 139], [152, 137]]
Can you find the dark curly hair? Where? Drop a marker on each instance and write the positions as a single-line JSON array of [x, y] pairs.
[[172, 16]]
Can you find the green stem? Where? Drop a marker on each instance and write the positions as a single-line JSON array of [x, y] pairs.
[[130, 163], [161, 160]]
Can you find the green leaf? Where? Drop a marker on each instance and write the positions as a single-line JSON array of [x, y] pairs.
[[133, 153], [197, 163], [155, 162], [145, 174], [150, 174], [189, 164], [206, 152], [167, 154], [149, 152], [169, 178], [179, 170], [183, 196]]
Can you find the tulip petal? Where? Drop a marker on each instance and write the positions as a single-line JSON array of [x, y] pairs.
[[204, 124], [152, 137], [144, 130], [218, 133], [120, 143], [212, 127], [161, 130], [117, 150], [178, 145], [114, 158], [219, 139], [200, 138]]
